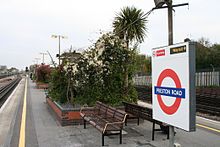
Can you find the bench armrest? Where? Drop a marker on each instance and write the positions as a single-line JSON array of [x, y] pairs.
[[112, 123], [84, 109]]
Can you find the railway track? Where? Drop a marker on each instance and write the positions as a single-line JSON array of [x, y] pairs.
[[6, 89], [207, 99]]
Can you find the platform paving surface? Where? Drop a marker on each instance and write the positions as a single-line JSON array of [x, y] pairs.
[[50, 133]]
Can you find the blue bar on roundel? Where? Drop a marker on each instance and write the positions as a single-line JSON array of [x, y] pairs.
[[170, 91]]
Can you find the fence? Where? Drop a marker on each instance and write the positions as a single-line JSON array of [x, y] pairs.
[[207, 79], [142, 80], [202, 79]]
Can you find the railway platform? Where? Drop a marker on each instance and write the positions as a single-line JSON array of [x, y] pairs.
[[40, 127]]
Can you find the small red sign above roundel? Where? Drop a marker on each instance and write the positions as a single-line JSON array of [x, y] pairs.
[[160, 53]]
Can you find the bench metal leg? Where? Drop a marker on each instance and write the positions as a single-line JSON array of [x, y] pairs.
[[121, 137], [84, 123], [168, 134], [153, 129], [103, 139], [126, 121], [138, 121]]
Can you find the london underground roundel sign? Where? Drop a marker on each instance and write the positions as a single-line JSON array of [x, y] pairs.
[[173, 88], [176, 92]]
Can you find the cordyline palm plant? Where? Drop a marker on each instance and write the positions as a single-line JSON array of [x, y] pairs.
[[130, 25]]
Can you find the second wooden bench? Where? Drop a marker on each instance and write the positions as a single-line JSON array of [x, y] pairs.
[[135, 111], [106, 119]]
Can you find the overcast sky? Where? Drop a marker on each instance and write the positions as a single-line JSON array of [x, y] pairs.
[[27, 25]]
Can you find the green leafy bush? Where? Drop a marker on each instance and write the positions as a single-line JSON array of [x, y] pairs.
[[100, 73], [96, 74], [58, 85]]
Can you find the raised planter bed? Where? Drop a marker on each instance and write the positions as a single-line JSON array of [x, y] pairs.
[[42, 85], [66, 116]]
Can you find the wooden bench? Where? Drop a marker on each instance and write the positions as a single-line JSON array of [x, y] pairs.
[[106, 119], [136, 111]]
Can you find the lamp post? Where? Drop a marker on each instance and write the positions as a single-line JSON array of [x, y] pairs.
[[159, 5], [43, 57], [59, 36], [170, 22]]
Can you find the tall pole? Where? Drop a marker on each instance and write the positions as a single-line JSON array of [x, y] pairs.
[[170, 41], [59, 49], [170, 23], [43, 57], [59, 37]]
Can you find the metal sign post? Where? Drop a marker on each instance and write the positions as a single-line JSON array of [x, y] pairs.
[[159, 4], [171, 140], [170, 38]]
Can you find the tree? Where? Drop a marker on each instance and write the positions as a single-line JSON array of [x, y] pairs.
[[215, 55], [202, 56], [142, 64], [130, 24], [205, 42], [70, 60], [207, 54]]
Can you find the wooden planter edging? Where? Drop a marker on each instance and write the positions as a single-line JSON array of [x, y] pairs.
[[65, 116]]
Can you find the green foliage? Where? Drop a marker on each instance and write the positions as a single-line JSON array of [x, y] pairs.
[[100, 72], [88, 82], [130, 23], [113, 58], [96, 74], [142, 64], [215, 55], [58, 85], [207, 55], [33, 77], [116, 58], [43, 73]]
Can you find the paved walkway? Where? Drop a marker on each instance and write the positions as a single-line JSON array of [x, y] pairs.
[[44, 130]]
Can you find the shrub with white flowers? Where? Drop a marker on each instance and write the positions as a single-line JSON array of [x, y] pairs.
[[98, 73]]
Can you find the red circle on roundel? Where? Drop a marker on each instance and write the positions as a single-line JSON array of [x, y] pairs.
[[173, 108]]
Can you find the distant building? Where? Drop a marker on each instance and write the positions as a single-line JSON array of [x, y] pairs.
[[3, 67], [3, 70]]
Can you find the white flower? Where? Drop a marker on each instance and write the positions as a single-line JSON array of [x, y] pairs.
[[65, 67]]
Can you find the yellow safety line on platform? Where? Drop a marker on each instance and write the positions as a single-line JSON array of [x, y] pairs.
[[209, 128], [23, 119]]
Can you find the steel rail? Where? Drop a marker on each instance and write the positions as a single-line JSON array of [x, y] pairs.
[[7, 89]]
